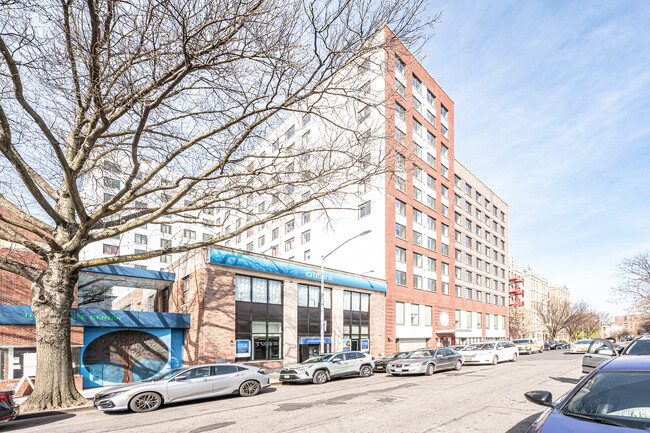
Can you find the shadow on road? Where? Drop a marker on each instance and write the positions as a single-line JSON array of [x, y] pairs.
[[523, 425], [20, 424], [565, 379]]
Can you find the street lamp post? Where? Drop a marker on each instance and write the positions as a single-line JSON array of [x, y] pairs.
[[322, 289]]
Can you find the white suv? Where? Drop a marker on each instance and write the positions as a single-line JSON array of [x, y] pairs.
[[322, 368]]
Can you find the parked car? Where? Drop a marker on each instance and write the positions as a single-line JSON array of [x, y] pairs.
[[546, 345], [458, 347], [580, 346], [563, 345], [612, 398], [380, 365], [182, 384], [8, 408], [426, 361], [490, 352], [601, 350], [552, 345], [325, 367], [529, 345]]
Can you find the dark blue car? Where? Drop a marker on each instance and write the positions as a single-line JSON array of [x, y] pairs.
[[615, 397]]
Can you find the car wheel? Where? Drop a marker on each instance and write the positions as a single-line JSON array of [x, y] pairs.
[[431, 368], [514, 357], [530, 351], [365, 371], [249, 388], [458, 365], [145, 402], [495, 360], [320, 377]]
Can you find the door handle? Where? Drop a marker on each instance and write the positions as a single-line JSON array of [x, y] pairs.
[[587, 356], [205, 380]]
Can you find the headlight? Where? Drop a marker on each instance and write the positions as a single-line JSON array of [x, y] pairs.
[[112, 394]]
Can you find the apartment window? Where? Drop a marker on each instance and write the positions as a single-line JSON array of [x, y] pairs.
[[431, 117], [431, 160], [444, 249], [250, 232], [289, 226], [445, 191], [468, 241], [305, 237], [428, 315], [290, 132], [400, 137], [110, 166], [431, 244], [400, 278], [417, 216], [443, 111], [364, 113], [417, 173], [444, 170], [417, 104], [261, 241], [417, 238], [141, 239], [431, 182], [457, 254], [399, 313], [307, 255], [165, 243], [445, 269], [288, 244], [207, 236], [305, 218], [457, 236], [249, 246], [189, 234], [417, 194], [431, 202], [430, 98], [417, 127], [457, 319], [444, 288], [306, 118], [400, 184], [166, 258], [111, 249], [364, 209], [417, 84], [417, 260], [107, 197], [431, 284], [400, 88], [457, 200], [400, 231], [468, 276], [400, 254], [431, 264], [400, 112], [417, 282], [111, 183], [399, 65], [415, 315], [275, 233], [400, 207], [445, 211], [444, 230]]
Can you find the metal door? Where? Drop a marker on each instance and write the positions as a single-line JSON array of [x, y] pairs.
[[197, 383], [226, 379], [600, 350]]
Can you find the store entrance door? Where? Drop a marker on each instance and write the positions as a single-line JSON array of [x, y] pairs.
[[310, 347], [308, 351]]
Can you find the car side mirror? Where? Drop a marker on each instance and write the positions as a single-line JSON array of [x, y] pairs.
[[179, 378], [335, 361], [543, 398]]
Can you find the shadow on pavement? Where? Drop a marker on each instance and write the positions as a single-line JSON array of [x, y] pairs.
[[565, 379], [20, 424], [523, 425]]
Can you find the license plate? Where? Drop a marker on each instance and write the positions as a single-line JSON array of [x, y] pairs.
[[285, 377], [379, 367], [468, 359]]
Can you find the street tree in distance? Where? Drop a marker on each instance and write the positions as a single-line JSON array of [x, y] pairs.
[[554, 315], [634, 282], [170, 102]]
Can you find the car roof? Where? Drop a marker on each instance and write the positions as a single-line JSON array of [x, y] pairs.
[[638, 362]]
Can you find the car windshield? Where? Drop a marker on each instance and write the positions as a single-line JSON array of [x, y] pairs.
[[482, 346], [418, 354], [396, 355], [168, 375], [583, 342], [521, 341], [638, 347], [318, 358], [613, 397]]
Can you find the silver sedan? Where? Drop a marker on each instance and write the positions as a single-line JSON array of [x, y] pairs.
[[426, 361], [182, 384]]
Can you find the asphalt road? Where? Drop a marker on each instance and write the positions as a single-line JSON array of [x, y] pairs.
[[482, 398]]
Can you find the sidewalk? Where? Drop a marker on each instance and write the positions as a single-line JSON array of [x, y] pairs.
[[89, 393]]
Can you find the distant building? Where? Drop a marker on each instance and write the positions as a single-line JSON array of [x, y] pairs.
[[626, 325]]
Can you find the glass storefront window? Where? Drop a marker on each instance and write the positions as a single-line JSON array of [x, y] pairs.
[[365, 303], [356, 301], [242, 288], [275, 292], [259, 290], [309, 296], [314, 295]]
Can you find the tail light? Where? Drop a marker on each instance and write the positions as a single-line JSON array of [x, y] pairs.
[[7, 396], [373, 358], [260, 371]]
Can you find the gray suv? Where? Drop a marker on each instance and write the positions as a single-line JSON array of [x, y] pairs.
[[322, 368]]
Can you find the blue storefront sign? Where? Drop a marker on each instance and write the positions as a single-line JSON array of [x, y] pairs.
[[313, 341], [365, 345], [242, 348], [282, 268]]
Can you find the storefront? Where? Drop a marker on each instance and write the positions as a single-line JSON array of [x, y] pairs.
[[275, 304]]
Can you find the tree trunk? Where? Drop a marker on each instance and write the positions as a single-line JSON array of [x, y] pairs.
[[53, 298]]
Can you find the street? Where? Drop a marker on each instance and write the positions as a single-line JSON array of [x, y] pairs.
[[481, 398]]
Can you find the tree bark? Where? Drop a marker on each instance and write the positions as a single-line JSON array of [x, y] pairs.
[[53, 298]]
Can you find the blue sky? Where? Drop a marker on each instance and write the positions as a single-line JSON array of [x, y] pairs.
[[552, 111]]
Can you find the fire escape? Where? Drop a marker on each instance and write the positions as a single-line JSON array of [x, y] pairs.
[[516, 292]]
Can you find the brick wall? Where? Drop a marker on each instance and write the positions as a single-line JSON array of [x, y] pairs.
[[26, 388]]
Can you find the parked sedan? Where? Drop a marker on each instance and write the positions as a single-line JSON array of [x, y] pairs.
[[426, 361], [552, 345], [580, 346], [182, 384], [380, 365], [491, 352], [8, 409], [612, 398]]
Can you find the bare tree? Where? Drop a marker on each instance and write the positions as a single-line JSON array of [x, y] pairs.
[[177, 99], [634, 286], [554, 315], [518, 322], [577, 316]]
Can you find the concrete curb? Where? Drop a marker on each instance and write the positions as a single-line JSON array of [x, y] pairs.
[[30, 415]]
